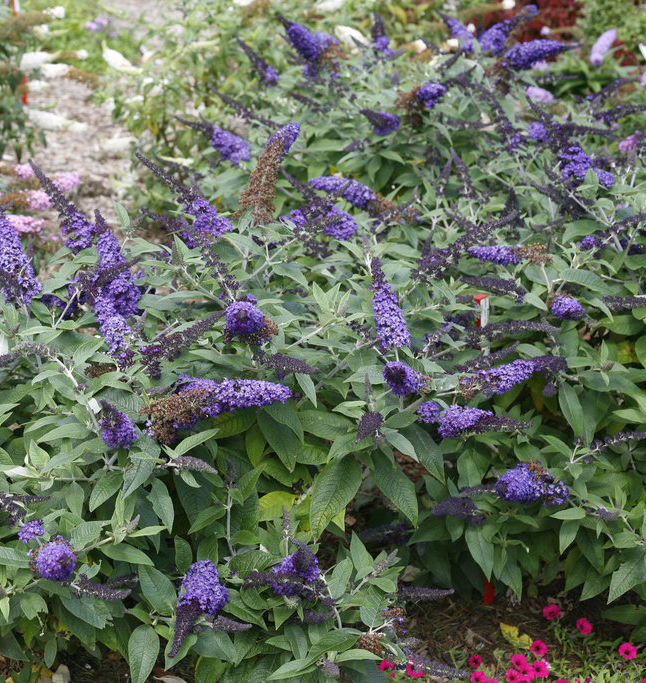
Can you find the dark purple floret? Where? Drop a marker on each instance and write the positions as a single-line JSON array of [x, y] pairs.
[[502, 379], [429, 412], [457, 420], [402, 379], [231, 147], [117, 430], [113, 326], [499, 254], [530, 482], [267, 74], [493, 40], [383, 122], [302, 565], [385, 533], [203, 593], [460, 507], [55, 560], [226, 625], [243, 319], [429, 94], [206, 220], [336, 223], [459, 31], [307, 44], [283, 365], [188, 462], [567, 308], [31, 530], [351, 190], [421, 593], [101, 591], [524, 55], [575, 163], [380, 40], [619, 303], [389, 319], [600, 445], [369, 424], [17, 275]]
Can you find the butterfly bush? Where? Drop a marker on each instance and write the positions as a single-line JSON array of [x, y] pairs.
[[402, 287]]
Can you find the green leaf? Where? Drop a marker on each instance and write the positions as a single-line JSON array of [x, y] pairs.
[[137, 475], [126, 553], [587, 279], [627, 576], [162, 503], [571, 407], [324, 424], [122, 214], [283, 441], [194, 440], [285, 414], [13, 558], [157, 589], [294, 668], [143, 648], [333, 489], [91, 611], [570, 513], [71, 430], [427, 451], [105, 488], [396, 486], [307, 385], [271, 505], [481, 550]]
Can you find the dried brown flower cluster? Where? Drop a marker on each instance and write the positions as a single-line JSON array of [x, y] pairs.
[[261, 191], [98, 369], [260, 337], [414, 108], [387, 210], [372, 643], [174, 412], [536, 254]]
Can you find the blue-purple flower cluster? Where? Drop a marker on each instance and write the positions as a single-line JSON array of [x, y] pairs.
[[298, 568], [459, 31], [567, 308], [231, 147], [429, 94], [493, 40], [530, 482], [383, 122], [457, 420], [243, 319], [575, 163], [55, 560], [117, 429], [310, 46], [525, 55], [502, 379], [17, 276], [31, 530], [338, 224], [287, 135], [392, 331], [402, 379], [351, 190], [499, 254], [537, 131], [206, 220], [429, 412]]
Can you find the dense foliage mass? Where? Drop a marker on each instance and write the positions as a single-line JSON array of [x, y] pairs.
[[363, 259]]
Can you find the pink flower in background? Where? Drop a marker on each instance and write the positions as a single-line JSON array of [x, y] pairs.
[[643, 80], [23, 171], [584, 626], [479, 677], [539, 95], [541, 669], [475, 661], [22, 224], [538, 647], [627, 651], [385, 665], [65, 182], [513, 676], [38, 200], [627, 145], [519, 661], [551, 612]]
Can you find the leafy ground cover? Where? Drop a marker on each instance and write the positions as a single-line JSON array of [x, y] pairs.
[[371, 338]]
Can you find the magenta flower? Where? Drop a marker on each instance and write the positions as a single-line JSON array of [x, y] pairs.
[[551, 612], [584, 626], [479, 677], [538, 647], [519, 661], [475, 661], [541, 669], [627, 651]]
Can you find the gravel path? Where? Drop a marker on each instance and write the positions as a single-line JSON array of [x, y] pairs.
[[106, 172]]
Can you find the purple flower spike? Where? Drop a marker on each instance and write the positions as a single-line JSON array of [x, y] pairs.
[[602, 46], [567, 308], [524, 55], [530, 482], [458, 420], [539, 95], [243, 319], [17, 276], [429, 94], [31, 530], [301, 566], [429, 412], [403, 380], [287, 135], [55, 560], [117, 430], [389, 319], [575, 163], [351, 190], [231, 147], [502, 255], [383, 122], [537, 131], [203, 593], [459, 31]]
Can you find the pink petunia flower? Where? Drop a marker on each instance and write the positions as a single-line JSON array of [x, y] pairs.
[[385, 665], [479, 677], [538, 647], [551, 612], [541, 669], [627, 651], [528, 672], [561, 680], [475, 661], [513, 676], [519, 661], [584, 626]]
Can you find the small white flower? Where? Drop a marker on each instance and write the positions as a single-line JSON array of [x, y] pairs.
[[49, 121], [350, 36], [82, 54], [34, 60], [41, 30], [50, 71], [508, 4], [328, 5], [642, 49], [242, 3], [453, 43], [116, 145], [117, 61], [57, 12], [545, 31], [418, 46], [37, 86], [471, 28]]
